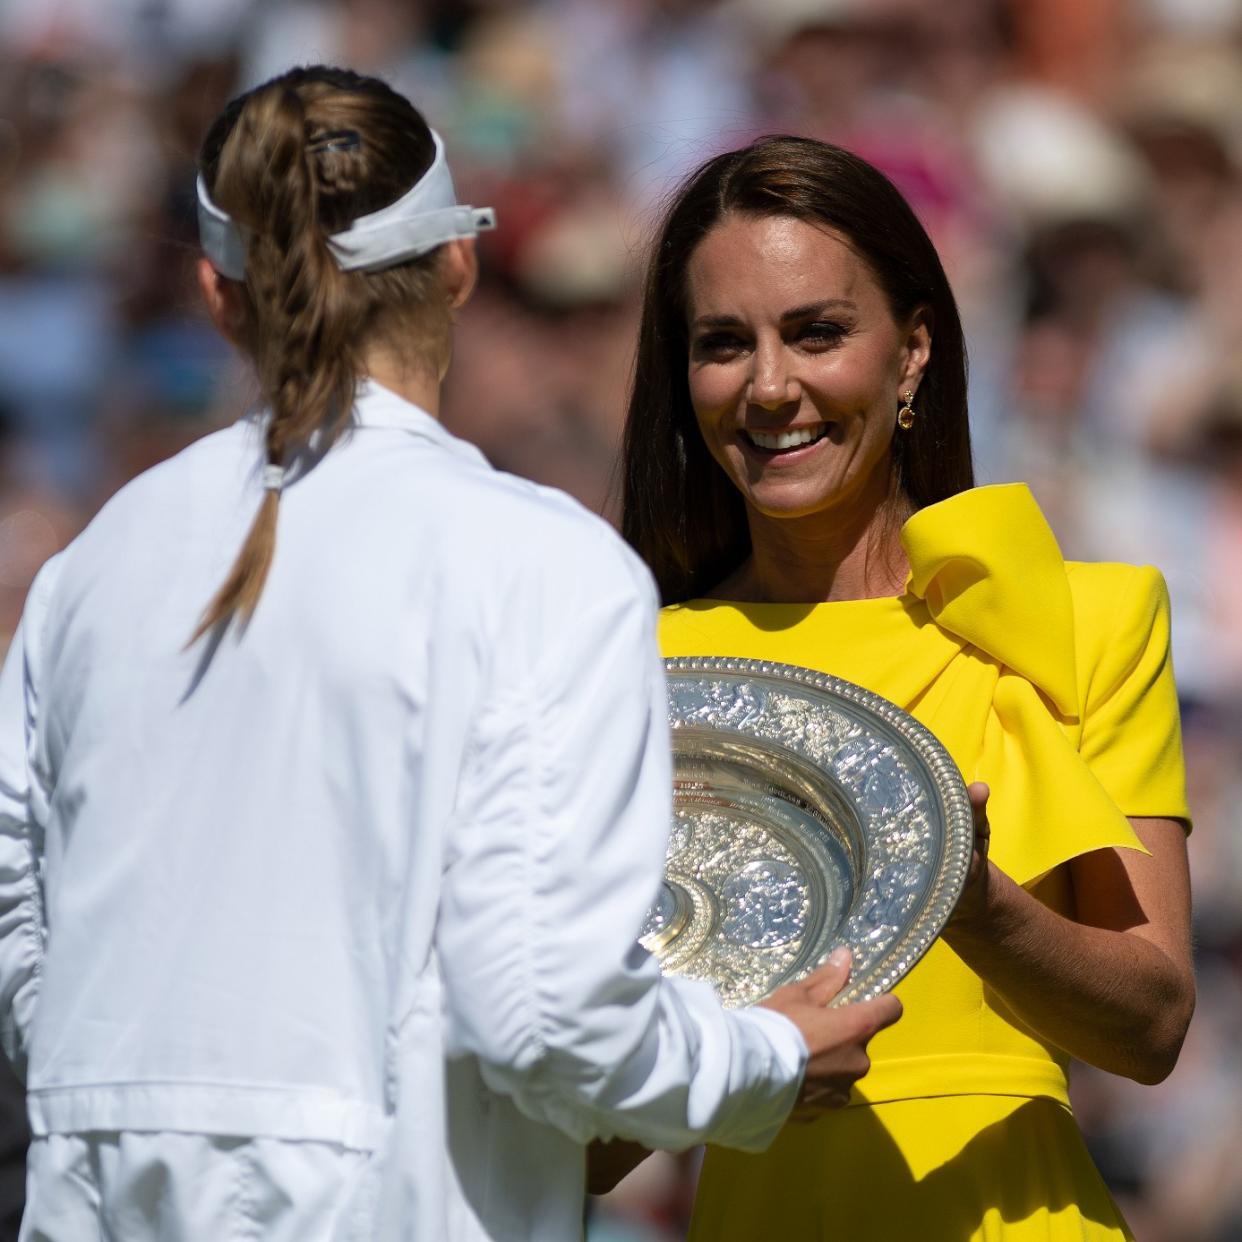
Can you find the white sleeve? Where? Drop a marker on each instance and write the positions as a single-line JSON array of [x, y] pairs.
[[553, 860], [23, 807]]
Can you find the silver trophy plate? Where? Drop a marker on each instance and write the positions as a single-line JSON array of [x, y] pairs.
[[807, 813]]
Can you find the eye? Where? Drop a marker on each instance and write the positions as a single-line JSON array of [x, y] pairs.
[[718, 346], [822, 332]]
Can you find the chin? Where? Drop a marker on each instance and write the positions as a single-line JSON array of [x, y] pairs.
[[839, 496], [788, 507], [797, 497]]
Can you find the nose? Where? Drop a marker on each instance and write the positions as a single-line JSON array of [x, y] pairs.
[[773, 384]]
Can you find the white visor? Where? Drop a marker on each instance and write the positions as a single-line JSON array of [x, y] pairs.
[[426, 216]]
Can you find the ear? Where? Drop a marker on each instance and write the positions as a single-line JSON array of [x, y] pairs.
[[459, 268], [918, 345], [224, 301]]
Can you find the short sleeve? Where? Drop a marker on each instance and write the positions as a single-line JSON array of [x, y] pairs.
[[1131, 730]]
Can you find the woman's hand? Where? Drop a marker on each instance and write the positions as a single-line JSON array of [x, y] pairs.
[[973, 905], [836, 1038]]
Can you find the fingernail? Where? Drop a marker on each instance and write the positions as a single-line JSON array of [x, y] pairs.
[[839, 957]]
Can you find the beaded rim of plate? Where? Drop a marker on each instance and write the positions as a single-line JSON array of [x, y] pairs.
[[949, 879]]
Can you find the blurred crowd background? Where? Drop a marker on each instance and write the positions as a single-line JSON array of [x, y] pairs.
[[1078, 162]]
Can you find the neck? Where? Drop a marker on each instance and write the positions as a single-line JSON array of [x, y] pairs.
[[417, 381], [823, 557]]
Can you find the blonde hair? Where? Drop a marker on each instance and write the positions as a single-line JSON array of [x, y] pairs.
[[292, 162]]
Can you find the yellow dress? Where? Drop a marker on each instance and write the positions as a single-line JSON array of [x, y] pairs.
[[1050, 680]]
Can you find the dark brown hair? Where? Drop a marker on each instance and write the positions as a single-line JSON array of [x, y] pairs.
[[292, 162], [681, 512]]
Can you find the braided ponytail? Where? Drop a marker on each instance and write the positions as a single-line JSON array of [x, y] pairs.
[[269, 162]]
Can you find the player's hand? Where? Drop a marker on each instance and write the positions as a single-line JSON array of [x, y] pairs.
[[836, 1038]]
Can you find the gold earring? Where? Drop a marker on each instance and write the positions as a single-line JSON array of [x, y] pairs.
[[905, 416]]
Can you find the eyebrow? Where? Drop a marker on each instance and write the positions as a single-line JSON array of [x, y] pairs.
[[807, 311]]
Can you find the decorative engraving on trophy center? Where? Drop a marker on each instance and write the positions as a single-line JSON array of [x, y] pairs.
[[680, 921], [765, 904], [665, 918]]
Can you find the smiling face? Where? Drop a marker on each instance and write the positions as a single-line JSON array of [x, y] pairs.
[[797, 366]]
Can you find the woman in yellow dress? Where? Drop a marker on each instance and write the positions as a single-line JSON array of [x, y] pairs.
[[797, 475]]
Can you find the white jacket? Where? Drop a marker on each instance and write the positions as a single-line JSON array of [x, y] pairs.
[[369, 876]]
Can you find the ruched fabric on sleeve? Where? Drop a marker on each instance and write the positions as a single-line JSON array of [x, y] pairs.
[[555, 854], [23, 804]]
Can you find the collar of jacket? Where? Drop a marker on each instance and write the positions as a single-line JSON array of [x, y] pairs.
[[990, 570], [377, 406]]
